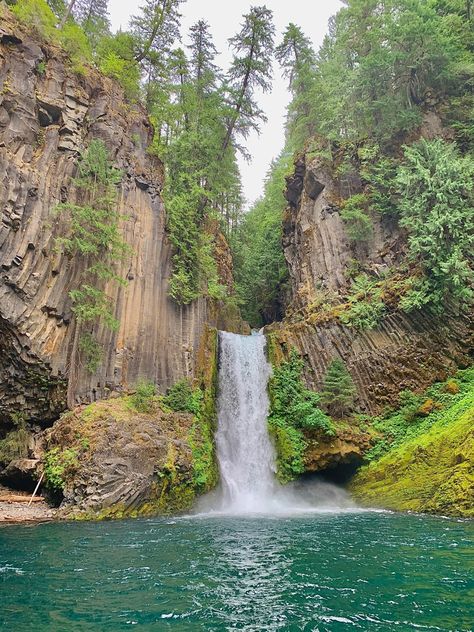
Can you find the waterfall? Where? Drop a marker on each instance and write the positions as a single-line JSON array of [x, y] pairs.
[[245, 452]]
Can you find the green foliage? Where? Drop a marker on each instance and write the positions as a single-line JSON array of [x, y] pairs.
[[427, 469], [358, 222], [437, 208], [91, 304], [76, 43], [181, 397], [293, 409], [362, 86], [144, 399], [59, 465], [338, 389], [38, 15], [91, 350], [115, 59], [366, 307], [94, 233], [408, 421], [290, 446], [259, 265]]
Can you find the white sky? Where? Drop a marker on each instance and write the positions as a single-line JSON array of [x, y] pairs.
[[225, 18]]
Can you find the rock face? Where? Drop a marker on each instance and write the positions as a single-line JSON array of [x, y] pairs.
[[125, 463], [48, 115], [327, 454], [406, 351], [316, 246]]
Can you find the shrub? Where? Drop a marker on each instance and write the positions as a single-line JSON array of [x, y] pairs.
[[355, 216], [428, 406], [290, 446], [182, 398], [452, 387], [91, 350], [366, 307], [75, 42], [293, 409], [38, 15], [144, 398], [115, 58], [58, 466], [436, 200], [409, 405]]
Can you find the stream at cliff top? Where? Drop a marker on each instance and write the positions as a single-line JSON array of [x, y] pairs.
[[256, 557]]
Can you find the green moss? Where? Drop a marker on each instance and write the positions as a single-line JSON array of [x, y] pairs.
[[290, 446], [201, 435], [432, 468], [411, 420], [293, 410]]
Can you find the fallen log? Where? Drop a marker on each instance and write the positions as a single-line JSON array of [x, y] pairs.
[[11, 498]]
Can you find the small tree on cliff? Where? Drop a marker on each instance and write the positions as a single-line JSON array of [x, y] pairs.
[[338, 389]]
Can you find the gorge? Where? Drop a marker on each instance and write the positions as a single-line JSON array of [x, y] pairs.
[[115, 319], [220, 418]]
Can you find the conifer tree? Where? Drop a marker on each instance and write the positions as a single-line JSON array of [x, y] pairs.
[[156, 28], [202, 55], [338, 389], [251, 68]]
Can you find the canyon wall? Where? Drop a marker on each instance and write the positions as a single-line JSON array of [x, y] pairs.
[[48, 115], [406, 351]]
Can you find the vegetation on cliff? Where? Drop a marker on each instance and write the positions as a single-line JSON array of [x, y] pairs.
[[93, 234], [424, 459], [162, 446], [299, 417], [199, 112], [358, 107]]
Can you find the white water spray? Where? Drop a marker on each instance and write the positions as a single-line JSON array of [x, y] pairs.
[[246, 455]]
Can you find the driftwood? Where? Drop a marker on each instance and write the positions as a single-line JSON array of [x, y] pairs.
[[12, 498]]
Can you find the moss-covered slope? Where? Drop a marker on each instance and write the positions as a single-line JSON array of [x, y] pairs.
[[431, 471]]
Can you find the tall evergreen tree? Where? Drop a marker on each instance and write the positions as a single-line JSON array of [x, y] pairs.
[[156, 28], [298, 60], [251, 68], [202, 55], [338, 389]]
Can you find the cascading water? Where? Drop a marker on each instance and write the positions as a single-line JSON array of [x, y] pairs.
[[245, 453]]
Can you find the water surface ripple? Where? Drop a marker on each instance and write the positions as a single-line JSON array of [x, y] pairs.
[[329, 572]]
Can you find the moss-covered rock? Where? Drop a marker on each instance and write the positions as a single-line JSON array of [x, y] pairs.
[[108, 460], [432, 472]]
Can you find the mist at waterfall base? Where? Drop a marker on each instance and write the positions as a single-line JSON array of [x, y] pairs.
[[245, 453]]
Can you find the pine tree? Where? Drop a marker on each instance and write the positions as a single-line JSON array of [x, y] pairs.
[[251, 68], [90, 11], [297, 58], [156, 28], [202, 55], [338, 389], [294, 53]]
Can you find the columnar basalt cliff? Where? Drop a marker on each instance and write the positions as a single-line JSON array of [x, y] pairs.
[[405, 351], [48, 115]]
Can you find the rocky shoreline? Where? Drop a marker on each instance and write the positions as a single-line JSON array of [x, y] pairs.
[[14, 510]]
